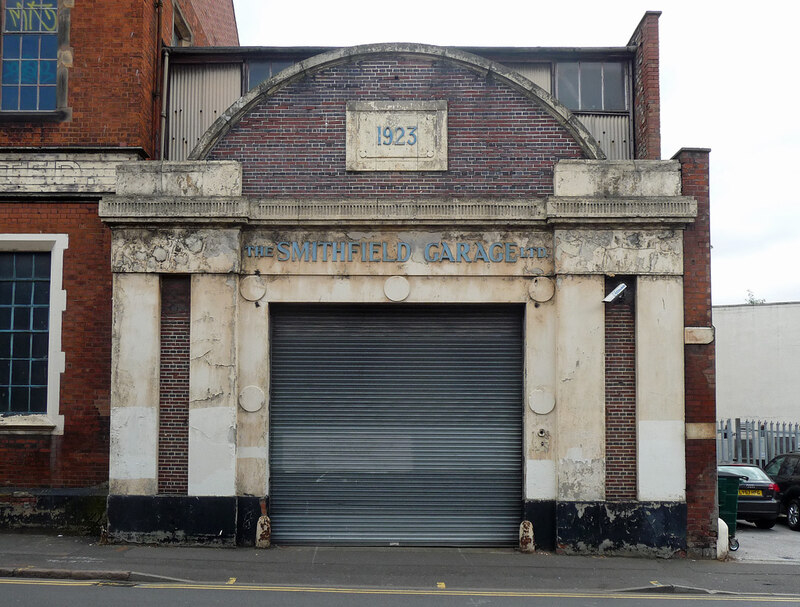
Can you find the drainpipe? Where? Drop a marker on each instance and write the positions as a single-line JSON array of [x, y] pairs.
[[163, 128], [157, 92]]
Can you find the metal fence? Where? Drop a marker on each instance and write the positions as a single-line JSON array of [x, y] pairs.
[[755, 442]]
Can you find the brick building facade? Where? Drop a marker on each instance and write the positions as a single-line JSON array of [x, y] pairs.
[[383, 278], [56, 164]]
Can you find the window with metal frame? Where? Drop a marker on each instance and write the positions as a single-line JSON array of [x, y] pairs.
[[24, 331], [29, 55], [592, 86]]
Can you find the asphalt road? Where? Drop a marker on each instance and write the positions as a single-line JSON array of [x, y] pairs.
[[34, 593], [777, 545]]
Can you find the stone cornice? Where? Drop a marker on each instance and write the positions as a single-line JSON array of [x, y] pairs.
[[210, 210]]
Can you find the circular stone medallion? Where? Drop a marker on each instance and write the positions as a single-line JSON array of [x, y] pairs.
[[396, 288]]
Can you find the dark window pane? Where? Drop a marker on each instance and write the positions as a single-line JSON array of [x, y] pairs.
[[34, 21], [279, 66], [24, 265], [47, 98], [10, 98], [5, 345], [27, 97], [21, 345], [49, 48], [5, 319], [567, 84], [39, 373], [20, 372], [19, 400], [259, 71], [40, 344], [22, 319], [6, 265], [40, 319], [614, 86], [6, 291], [41, 265], [5, 392], [38, 400], [29, 72], [23, 293], [591, 86], [12, 21], [47, 72], [5, 370], [41, 293], [11, 72], [30, 47], [11, 46]]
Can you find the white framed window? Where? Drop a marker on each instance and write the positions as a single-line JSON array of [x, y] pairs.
[[32, 303]]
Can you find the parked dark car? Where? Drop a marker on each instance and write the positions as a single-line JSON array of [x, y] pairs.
[[758, 495], [785, 470]]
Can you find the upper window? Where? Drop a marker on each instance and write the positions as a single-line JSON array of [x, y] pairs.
[[592, 86], [258, 71], [30, 53]]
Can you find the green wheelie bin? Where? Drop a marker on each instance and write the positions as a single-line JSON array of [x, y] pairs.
[[728, 502]]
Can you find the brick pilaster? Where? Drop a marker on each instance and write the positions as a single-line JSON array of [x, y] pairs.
[[646, 91], [701, 466], [620, 376], [173, 419]]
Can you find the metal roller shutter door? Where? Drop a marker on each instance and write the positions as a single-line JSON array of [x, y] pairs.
[[396, 424]]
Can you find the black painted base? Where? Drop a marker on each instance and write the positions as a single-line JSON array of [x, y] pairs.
[[76, 511], [619, 528], [160, 519]]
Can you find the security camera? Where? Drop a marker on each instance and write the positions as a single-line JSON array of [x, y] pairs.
[[616, 293]]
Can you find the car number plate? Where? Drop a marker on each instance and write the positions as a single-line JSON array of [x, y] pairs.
[[756, 492]]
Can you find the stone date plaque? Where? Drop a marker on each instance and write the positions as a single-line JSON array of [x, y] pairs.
[[396, 135]]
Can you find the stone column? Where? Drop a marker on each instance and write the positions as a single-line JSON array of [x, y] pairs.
[[133, 465], [580, 376], [212, 385], [252, 468], [661, 469]]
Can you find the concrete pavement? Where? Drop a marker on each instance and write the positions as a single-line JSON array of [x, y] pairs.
[[39, 555]]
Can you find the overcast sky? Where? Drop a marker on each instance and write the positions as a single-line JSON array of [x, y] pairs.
[[728, 82]]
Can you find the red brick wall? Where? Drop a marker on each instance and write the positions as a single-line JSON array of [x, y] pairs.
[[173, 422], [701, 469], [113, 78], [620, 376], [500, 143], [646, 91], [79, 458], [212, 21]]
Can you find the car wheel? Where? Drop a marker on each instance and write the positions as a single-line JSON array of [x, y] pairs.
[[793, 515], [765, 524]]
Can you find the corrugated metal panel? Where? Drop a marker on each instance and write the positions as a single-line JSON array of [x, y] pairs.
[[198, 94], [538, 73], [612, 132], [396, 424]]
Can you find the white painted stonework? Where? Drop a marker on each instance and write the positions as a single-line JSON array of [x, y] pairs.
[[60, 172], [212, 385], [396, 135], [246, 254], [540, 480], [617, 178], [133, 467], [580, 373], [212, 451], [662, 465]]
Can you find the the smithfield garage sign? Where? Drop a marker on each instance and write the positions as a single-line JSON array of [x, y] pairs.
[[384, 320]]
